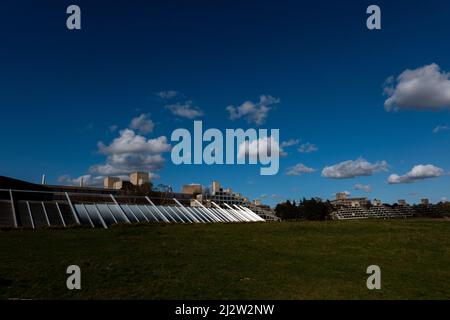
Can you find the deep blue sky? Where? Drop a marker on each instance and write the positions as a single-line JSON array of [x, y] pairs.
[[61, 90]]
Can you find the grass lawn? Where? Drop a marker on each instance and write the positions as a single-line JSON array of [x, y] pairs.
[[298, 260]]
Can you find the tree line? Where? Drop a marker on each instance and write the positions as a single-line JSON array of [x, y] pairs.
[[312, 209]]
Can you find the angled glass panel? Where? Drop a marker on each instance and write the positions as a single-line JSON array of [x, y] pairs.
[[158, 216], [23, 213], [106, 214], [130, 215], [173, 214], [142, 212], [226, 217], [37, 211], [155, 213], [166, 214], [6, 214], [117, 213], [182, 214], [244, 214], [200, 214], [212, 215], [53, 214], [252, 216], [83, 215], [239, 215], [93, 214], [67, 214], [137, 213], [193, 215], [148, 213], [248, 213], [232, 214], [196, 215], [170, 215], [215, 215], [206, 214]]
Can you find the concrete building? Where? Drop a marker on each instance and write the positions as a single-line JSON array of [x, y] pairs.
[[343, 200], [224, 197], [217, 194], [192, 189], [376, 202], [136, 179], [139, 178], [256, 202], [112, 183], [215, 187], [362, 208], [221, 196]]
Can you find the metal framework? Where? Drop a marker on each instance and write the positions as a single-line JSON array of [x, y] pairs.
[[65, 209]]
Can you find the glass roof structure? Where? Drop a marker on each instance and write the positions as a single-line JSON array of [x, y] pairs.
[[31, 209]]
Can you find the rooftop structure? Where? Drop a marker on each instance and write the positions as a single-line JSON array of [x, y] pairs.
[[139, 178], [222, 196], [342, 199], [361, 208], [226, 198], [34, 206], [113, 183], [192, 189]]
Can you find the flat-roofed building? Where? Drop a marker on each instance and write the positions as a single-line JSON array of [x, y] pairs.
[[192, 189], [112, 183], [376, 202], [215, 187], [342, 199], [256, 202], [139, 178]]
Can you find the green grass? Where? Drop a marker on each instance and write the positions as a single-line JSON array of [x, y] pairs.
[[298, 260]]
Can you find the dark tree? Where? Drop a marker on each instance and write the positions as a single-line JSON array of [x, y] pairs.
[[312, 209]]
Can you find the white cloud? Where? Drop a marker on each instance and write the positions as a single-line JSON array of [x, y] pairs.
[[253, 112], [130, 142], [298, 169], [363, 187], [168, 94], [143, 124], [419, 172], [353, 168], [308, 148], [262, 146], [186, 110], [425, 88], [441, 128], [290, 143], [131, 152]]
